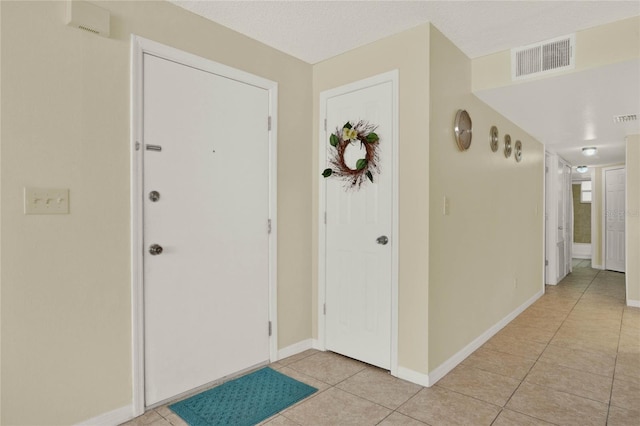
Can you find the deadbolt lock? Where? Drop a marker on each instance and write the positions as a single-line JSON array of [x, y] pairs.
[[154, 196]]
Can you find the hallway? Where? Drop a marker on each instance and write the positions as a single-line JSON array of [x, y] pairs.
[[572, 358]]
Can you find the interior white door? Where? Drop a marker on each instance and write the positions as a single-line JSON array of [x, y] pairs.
[[358, 268], [206, 147], [568, 219], [615, 219]]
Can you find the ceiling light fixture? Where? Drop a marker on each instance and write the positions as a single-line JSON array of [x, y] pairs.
[[582, 169], [589, 151]]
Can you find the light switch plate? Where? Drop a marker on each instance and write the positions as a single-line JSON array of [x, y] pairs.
[[46, 201]]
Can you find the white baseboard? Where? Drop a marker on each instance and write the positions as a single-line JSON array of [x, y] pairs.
[[112, 418], [581, 251], [633, 303], [317, 345], [296, 348], [413, 376], [597, 266], [441, 371]]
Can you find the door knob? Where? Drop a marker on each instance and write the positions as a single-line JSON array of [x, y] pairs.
[[155, 249], [383, 239]]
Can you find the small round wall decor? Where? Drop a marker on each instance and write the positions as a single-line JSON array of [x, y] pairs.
[[359, 136], [463, 128], [517, 151], [507, 146], [493, 138]]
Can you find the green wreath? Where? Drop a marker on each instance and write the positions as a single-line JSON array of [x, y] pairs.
[[363, 133]]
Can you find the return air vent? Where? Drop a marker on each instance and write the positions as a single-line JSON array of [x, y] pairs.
[[624, 118], [543, 58]]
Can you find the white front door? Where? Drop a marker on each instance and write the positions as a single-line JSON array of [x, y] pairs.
[[615, 219], [206, 296], [358, 268]]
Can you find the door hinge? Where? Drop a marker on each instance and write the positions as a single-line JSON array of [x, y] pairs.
[[269, 123], [137, 146], [324, 309], [268, 226], [546, 262], [325, 124], [325, 218], [269, 328]]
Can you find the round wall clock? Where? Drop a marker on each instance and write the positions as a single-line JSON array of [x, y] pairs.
[[493, 138], [507, 146], [462, 129], [518, 151]]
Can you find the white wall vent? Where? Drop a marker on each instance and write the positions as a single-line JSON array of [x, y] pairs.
[[543, 58], [88, 17], [625, 118]]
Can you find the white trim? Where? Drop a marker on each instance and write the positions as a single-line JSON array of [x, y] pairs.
[[581, 251], [393, 77], [597, 267], [633, 303], [296, 348], [315, 344], [139, 47], [111, 418], [412, 376], [444, 368]]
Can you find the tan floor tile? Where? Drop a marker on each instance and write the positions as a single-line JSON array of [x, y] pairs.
[[557, 407], [397, 419], [513, 346], [301, 377], [502, 363], [621, 417], [279, 420], [571, 381], [592, 362], [625, 394], [176, 420], [439, 406], [480, 384], [379, 386], [336, 407], [146, 419], [297, 357], [628, 364], [328, 367], [527, 333], [511, 418], [164, 410], [581, 342]]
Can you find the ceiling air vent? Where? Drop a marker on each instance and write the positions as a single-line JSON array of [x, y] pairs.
[[624, 118], [543, 58]]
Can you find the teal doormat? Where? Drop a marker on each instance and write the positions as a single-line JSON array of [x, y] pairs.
[[244, 401]]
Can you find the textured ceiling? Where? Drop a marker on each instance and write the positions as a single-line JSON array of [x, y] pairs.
[[317, 30]]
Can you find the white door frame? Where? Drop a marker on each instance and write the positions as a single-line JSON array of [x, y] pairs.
[[604, 215], [393, 77], [140, 46]]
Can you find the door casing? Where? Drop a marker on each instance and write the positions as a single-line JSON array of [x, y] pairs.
[[140, 46], [393, 77], [604, 216]]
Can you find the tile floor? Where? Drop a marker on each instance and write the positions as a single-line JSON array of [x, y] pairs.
[[572, 358]]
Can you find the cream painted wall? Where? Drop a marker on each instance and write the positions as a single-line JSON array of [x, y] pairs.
[[65, 308], [493, 234], [595, 47], [633, 220], [407, 52]]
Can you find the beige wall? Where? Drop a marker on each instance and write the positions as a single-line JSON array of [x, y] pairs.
[[408, 53], [66, 288], [493, 234], [633, 219], [595, 47]]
